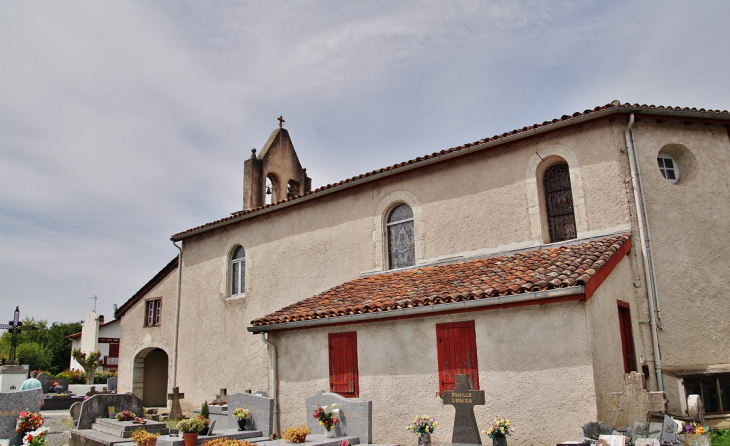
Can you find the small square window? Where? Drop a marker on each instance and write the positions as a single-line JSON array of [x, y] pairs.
[[153, 312]]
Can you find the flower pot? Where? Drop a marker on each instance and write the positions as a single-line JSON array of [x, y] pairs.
[[204, 431], [190, 438], [499, 441], [241, 424], [329, 433], [424, 440]]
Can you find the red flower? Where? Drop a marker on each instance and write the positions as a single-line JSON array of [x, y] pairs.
[[30, 438], [334, 420]]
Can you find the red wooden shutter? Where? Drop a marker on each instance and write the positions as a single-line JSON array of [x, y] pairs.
[[627, 338], [457, 354], [113, 350], [343, 363]]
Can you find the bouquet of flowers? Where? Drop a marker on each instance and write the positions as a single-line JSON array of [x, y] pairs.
[[36, 437], [241, 413], [28, 421], [125, 415], [297, 434], [500, 427], [424, 425], [694, 428], [326, 416]]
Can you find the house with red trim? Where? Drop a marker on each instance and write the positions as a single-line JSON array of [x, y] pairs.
[[97, 336], [544, 263]]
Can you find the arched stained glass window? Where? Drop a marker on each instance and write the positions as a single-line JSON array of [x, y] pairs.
[[238, 271], [559, 203], [401, 241]]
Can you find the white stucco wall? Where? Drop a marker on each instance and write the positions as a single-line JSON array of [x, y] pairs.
[[534, 366], [483, 202]]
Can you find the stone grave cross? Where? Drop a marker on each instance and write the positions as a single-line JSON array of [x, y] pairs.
[[463, 398], [176, 410], [14, 327], [634, 403], [223, 396]]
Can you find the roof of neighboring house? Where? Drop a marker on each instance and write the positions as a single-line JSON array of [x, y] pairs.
[[76, 335], [172, 266], [569, 265], [600, 112]]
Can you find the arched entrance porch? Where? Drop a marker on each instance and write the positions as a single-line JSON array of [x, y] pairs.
[[149, 377]]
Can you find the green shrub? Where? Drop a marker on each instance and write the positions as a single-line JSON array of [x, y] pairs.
[[73, 376], [101, 377], [720, 437]]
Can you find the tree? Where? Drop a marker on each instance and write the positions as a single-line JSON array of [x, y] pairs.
[[34, 355], [89, 362], [54, 347]]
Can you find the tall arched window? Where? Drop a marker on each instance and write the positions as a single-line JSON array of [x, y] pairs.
[[401, 241], [559, 203], [238, 271]]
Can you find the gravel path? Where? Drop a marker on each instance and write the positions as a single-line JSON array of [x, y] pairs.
[[57, 431]]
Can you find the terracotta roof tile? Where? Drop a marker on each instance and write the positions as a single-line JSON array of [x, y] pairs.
[[615, 104], [524, 272]]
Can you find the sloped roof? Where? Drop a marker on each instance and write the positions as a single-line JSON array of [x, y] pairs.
[[171, 266], [563, 266], [599, 112]]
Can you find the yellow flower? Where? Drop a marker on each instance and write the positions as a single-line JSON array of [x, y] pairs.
[[435, 423], [508, 422], [322, 423]]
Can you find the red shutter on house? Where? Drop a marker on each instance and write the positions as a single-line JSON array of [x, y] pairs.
[[457, 354], [343, 363], [113, 350], [627, 338]]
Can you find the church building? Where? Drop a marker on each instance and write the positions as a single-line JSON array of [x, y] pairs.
[[544, 263]]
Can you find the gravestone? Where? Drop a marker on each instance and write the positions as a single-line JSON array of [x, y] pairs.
[[634, 403], [655, 430], [696, 409], [647, 442], [355, 418], [592, 430], [176, 410], [111, 384], [261, 412], [669, 431], [47, 383], [99, 406], [464, 398], [223, 396], [640, 429], [11, 404]]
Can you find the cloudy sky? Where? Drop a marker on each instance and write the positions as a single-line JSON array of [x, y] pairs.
[[124, 122]]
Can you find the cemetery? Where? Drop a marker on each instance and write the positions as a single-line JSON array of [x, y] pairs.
[[104, 419]]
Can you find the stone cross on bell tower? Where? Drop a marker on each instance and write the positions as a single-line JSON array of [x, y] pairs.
[[278, 164]]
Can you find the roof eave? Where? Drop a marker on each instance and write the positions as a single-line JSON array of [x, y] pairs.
[[469, 305], [615, 110]]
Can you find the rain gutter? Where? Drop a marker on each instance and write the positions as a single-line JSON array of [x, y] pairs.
[[177, 316], [274, 378], [535, 296], [645, 253]]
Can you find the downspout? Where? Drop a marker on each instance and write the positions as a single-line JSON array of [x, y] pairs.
[[177, 316], [648, 274], [274, 387]]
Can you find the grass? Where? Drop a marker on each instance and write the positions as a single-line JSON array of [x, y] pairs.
[[721, 437]]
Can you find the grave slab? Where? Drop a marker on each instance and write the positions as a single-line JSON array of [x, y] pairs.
[[356, 417], [101, 405], [11, 404], [647, 442], [634, 403], [464, 398], [669, 431]]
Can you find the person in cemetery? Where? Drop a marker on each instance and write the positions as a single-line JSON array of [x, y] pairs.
[[33, 383]]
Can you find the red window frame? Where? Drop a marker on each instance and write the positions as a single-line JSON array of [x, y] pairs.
[[457, 354], [344, 378], [153, 312], [627, 337]]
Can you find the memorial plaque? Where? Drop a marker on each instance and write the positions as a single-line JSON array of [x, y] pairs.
[[356, 417], [11, 404]]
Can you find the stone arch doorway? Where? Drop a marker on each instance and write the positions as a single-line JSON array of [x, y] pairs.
[[150, 376]]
